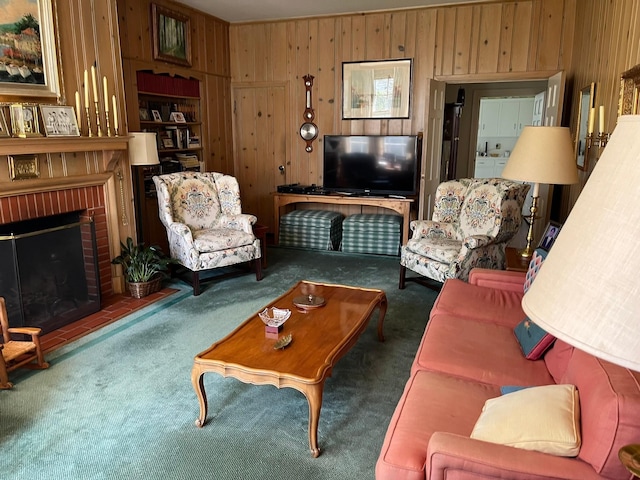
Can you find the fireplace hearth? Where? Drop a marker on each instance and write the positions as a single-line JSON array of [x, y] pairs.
[[49, 274]]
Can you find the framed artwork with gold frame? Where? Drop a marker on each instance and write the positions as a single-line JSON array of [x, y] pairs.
[[171, 35], [4, 129], [23, 167], [24, 120], [629, 102]]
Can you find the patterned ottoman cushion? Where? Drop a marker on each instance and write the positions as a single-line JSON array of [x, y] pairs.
[[370, 233], [316, 229]]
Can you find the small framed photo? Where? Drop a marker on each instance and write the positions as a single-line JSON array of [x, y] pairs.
[[23, 167], [177, 117], [144, 114], [549, 236], [24, 120], [4, 130], [156, 115], [168, 143], [59, 121]]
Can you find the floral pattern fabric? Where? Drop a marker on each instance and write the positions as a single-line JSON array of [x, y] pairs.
[[203, 217], [472, 222]]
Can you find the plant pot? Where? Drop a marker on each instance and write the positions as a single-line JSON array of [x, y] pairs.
[[142, 289]]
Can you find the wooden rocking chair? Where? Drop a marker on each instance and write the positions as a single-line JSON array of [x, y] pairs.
[[18, 353]]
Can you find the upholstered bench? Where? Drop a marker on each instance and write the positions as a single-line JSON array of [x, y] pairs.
[[315, 229], [371, 233]]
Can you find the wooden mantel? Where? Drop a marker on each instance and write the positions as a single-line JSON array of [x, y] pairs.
[[37, 145]]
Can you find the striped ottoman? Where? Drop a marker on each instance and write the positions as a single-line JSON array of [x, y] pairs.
[[316, 229], [370, 233]]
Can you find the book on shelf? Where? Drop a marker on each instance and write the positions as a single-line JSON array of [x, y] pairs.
[[194, 141], [188, 160]]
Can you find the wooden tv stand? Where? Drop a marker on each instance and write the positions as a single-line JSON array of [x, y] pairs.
[[399, 205]]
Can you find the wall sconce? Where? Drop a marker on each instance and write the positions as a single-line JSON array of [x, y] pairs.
[[601, 138]]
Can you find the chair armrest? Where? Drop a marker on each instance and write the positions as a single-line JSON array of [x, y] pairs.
[[32, 331], [477, 241], [500, 279], [430, 229], [182, 230], [242, 221], [448, 453]]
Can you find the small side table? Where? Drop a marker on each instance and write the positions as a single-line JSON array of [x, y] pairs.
[[260, 231], [515, 262]]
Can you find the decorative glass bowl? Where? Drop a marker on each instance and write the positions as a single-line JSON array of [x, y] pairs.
[[274, 317]]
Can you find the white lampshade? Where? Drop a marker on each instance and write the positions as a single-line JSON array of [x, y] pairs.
[[587, 292], [543, 155], [143, 149]]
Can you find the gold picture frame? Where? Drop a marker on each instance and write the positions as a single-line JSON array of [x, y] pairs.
[[629, 102], [586, 105], [376, 89], [171, 32], [23, 167], [24, 120], [4, 129]]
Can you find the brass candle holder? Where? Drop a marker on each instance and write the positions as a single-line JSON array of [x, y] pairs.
[[86, 109], [98, 119]]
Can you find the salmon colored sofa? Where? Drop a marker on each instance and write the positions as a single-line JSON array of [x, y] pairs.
[[467, 353]]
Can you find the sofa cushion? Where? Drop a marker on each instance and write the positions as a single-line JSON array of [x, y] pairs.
[[545, 419], [426, 406], [557, 359], [533, 340], [537, 259], [485, 304], [610, 409], [481, 351]]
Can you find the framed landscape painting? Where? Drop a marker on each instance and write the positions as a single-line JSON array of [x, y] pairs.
[[28, 61], [171, 36]]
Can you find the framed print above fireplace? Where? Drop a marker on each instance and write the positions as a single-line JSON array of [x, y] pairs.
[[377, 89], [32, 67]]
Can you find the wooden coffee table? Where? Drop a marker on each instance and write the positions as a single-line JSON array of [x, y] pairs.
[[321, 336]]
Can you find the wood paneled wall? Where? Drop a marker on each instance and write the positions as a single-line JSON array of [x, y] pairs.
[[607, 43], [507, 40], [210, 65]]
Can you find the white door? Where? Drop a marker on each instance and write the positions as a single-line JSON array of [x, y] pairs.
[[432, 148], [538, 109]]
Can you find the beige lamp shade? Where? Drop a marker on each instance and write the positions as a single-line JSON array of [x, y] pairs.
[[143, 149], [543, 155], [587, 292]]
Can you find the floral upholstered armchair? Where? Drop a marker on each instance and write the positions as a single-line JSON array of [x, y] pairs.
[[473, 219], [205, 224]]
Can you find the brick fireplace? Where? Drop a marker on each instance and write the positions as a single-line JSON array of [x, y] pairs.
[[88, 200]]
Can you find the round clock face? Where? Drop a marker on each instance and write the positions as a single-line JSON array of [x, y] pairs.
[[308, 131], [27, 114]]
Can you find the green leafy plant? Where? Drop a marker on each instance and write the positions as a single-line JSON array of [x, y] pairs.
[[141, 263]]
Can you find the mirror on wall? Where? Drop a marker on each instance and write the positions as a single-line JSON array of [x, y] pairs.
[[586, 112], [630, 92]]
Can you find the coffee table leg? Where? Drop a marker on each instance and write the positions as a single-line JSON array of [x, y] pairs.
[[314, 397], [197, 379], [383, 311]]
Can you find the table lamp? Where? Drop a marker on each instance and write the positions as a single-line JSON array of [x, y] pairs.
[[143, 149], [541, 155], [586, 293]]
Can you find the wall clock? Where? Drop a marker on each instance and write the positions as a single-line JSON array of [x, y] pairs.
[[308, 130]]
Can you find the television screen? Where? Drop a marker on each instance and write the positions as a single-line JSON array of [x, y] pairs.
[[371, 164]]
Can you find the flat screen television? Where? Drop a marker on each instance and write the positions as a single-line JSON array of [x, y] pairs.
[[371, 164]]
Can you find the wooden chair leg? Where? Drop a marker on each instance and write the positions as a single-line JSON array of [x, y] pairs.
[[196, 284], [5, 384], [40, 357], [258, 263], [403, 274]]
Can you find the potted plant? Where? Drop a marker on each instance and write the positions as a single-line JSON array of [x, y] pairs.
[[142, 267]]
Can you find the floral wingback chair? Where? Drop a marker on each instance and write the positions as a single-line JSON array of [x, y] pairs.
[[205, 224], [473, 220]]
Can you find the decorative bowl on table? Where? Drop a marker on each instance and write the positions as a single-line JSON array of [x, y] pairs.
[[274, 317]]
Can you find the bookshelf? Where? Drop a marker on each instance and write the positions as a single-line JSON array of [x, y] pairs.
[[170, 107]]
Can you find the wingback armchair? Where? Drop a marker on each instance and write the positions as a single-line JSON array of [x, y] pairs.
[[473, 219], [205, 224]]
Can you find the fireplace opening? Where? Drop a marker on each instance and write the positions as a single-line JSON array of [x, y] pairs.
[[49, 275]]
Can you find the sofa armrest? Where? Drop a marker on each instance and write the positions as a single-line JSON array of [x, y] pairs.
[[448, 453], [500, 279]]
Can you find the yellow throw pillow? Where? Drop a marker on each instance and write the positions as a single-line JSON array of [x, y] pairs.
[[545, 419]]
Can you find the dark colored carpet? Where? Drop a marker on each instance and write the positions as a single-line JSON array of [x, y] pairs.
[[118, 404]]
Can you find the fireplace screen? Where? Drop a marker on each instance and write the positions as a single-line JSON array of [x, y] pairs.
[[49, 275]]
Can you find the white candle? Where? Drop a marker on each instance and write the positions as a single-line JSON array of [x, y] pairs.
[[601, 119], [106, 94], [95, 86], [86, 89], [78, 108], [115, 114], [592, 117]]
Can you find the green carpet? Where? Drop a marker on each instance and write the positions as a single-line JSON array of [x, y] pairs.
[[118, 404]]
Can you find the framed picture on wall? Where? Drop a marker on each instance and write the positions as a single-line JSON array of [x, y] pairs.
[[378, 89], [32, 69], [171, 35]]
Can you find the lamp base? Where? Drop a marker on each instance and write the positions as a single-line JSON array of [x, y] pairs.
[[526, 252], [629, 455]]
